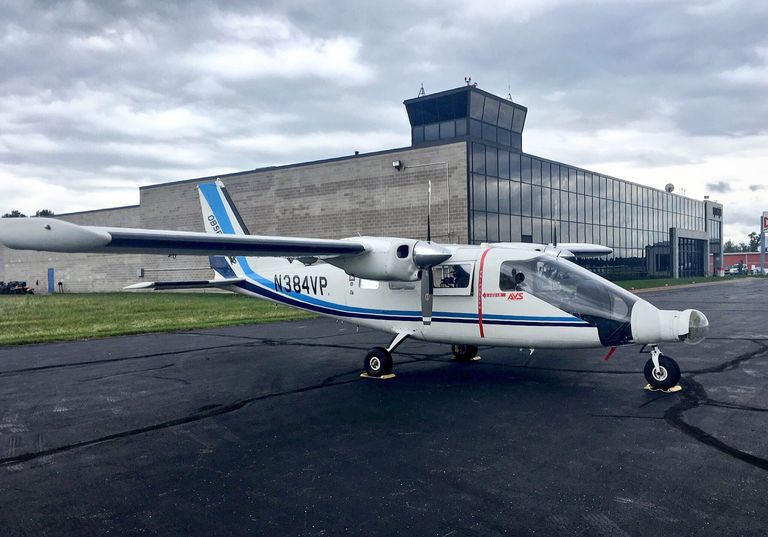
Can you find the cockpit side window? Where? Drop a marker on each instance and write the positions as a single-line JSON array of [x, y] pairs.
[[511, 277], [452, 276]]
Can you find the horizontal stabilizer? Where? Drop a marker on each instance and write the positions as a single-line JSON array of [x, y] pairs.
[[585, 249], [185, 284]]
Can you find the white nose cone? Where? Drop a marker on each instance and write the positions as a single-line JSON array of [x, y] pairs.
[[652, 325]]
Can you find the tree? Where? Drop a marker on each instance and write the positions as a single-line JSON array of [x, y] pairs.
[[14, 214], [754, 242], [729, 247]]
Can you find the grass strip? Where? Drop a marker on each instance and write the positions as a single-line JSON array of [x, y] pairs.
[[66, 317]]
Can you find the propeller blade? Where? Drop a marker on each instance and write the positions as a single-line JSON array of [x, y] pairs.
[[427, 287]]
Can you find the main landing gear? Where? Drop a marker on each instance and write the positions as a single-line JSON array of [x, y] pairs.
[[661, 372], [464, 353]]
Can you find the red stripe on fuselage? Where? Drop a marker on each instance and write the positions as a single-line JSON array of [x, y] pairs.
[[480, 292]]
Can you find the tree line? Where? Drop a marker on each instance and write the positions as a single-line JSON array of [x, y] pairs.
[[18, 214], [752, 246]]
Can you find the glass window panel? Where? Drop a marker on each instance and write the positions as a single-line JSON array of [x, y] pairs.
[[587, 209], [504, 206], [518, 120], [563, 205], [525, 169], [603, 186], [478, 192], [545, 175], [572, 207], [571, 180], [505, 233], [478, 227], [515, 203], [535, 171], [581, 210], [573, 234], [546, 203], [503, 164], [491, 161], [536, 201], [603, 220], [478, 158], [492, 194], [527, 228], [514, 166], [431, 132], [581, 232], [555, 204], [489, 132], [461, 127], [447, 129], [537, 236], [504, 137], [476, 105], [525, 194], [417, 134], [475, 128], [515, 232], [546, 231], [580, 188], [588, 184], [505, 116], [491, 111], [492, 227]]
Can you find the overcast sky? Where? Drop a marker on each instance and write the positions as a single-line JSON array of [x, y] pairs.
[[99, 98]]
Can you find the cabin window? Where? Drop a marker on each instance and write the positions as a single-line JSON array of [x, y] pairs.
[[453, 279]]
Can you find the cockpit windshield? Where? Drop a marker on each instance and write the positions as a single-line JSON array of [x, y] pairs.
[[575, 290]]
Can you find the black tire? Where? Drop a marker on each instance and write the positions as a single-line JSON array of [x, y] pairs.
[[670, 373], [464, 352], [378, 362]]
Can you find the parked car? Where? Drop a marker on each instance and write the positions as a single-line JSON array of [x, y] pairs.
[[15, 288]]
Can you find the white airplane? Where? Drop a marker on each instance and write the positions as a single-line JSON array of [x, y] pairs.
[[506, 294]]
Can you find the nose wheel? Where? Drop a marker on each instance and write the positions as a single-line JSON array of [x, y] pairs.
[[661, 371], [378, 362]]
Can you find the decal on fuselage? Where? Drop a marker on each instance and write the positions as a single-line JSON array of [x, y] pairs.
[[308, 285]]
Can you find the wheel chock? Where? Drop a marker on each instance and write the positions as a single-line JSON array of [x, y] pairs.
[[388, 376], [673, 389], [473, 359]]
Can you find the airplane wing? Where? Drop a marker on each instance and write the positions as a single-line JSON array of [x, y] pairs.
[[53, 235]]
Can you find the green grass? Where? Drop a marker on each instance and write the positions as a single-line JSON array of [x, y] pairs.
[[37, 319], [662, 282]]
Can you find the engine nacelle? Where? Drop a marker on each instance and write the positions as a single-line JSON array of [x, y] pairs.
[[391, 259]]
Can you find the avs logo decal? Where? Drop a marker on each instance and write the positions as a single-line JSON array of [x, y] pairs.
[[515, 296]]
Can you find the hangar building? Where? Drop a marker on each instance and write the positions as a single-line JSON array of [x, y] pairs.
[[468, 143]]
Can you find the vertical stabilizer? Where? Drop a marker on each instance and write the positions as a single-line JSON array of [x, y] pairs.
[[220, 216]]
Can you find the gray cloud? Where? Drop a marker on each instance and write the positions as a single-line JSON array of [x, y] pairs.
[[719, 186], [755, 188], [137, 92]]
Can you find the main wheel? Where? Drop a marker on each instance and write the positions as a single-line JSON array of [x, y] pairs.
[[667, 376], [378, 362], [464, 352]]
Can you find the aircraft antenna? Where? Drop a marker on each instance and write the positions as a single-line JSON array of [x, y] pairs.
[[554, 235], [429, 210], [422, 93]]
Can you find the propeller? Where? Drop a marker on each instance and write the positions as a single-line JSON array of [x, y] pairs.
[[426, 255]]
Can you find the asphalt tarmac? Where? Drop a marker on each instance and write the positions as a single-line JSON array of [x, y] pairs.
[[268, 430]]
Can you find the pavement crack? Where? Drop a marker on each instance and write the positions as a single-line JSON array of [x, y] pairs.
[[209, 412], [131, 372], [695, 395]]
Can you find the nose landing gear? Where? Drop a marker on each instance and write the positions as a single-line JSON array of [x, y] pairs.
[[661, 371], [464, 353]]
